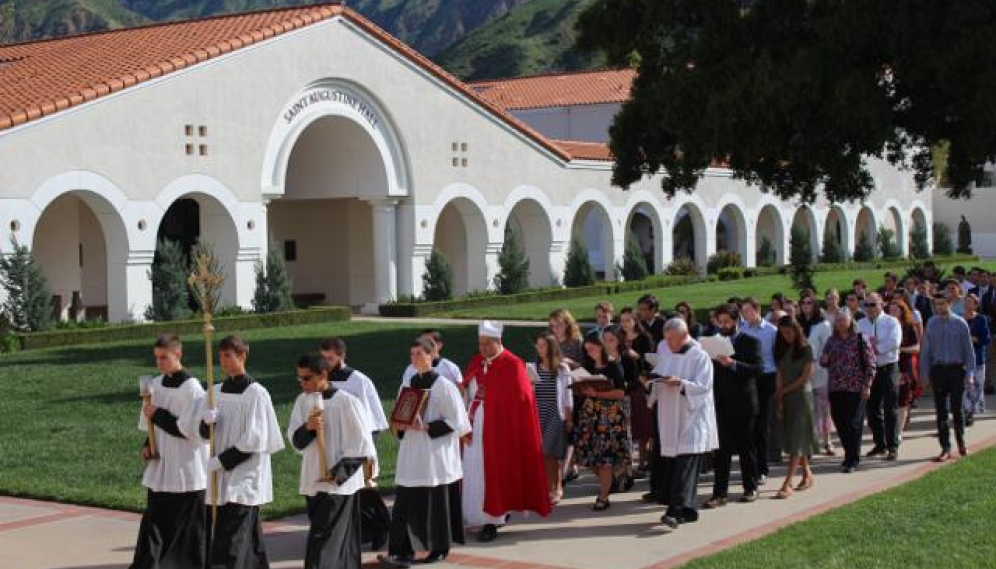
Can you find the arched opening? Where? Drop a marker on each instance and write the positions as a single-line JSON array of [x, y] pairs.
[[731, 231], [195, 217], [462, 237], [835, 230], [643, 230], [77, 240], [805, 220], [324, 221], [770, 237], [532, 225], [593, 227], [865, 229], [689, 235]]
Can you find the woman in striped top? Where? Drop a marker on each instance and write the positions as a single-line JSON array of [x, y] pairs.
[[554, 405]]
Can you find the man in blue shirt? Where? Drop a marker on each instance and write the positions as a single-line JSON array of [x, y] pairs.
[[765, 332], [947, 361]]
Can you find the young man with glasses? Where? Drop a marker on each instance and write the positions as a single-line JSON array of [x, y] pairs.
[[885, 335]]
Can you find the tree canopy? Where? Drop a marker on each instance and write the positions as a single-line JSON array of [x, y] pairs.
[[795, 95]]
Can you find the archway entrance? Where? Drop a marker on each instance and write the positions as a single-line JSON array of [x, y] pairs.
[[689, 235], [643, 230], [806, 221], [835, 231], [325, 221], [462, 237], [593, 227], [531, 224], [731, 231], [71, 245], [770, 237]]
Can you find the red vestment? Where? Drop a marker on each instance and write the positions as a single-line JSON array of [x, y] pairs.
[[514, 474]]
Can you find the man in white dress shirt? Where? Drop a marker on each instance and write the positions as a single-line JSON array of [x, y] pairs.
[[884, 333]]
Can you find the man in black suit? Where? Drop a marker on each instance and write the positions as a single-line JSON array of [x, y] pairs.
[[648, 311], [735, 392], [984, 291], [920, 302]]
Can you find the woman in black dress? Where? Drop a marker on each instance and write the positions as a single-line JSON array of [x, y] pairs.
[[641, 422]]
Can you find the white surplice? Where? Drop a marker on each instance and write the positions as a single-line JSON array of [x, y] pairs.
[[181, 463], [686, 413], [424, 461]]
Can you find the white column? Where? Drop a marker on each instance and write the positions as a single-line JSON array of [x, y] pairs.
[[558, 260], [385, 252], [129, 288], [491, 267], [409, 269], [419, 259], [749, 246], [708, 246]]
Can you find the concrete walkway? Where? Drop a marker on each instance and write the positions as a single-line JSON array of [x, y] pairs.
[[43, 535]]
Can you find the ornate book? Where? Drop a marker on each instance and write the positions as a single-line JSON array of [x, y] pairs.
[[409, 406]]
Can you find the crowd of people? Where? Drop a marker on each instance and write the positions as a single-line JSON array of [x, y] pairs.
[[639, 395]]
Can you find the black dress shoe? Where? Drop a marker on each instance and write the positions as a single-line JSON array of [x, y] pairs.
[[749, 497], [875, 451], [670, 521], [488, 533], [395, 561], [714, 502], [435, 557], [377, 543]]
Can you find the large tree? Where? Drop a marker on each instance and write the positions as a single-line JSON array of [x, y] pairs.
[[796, 94]]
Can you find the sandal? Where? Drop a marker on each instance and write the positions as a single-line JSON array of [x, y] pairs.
[[601, 505], [805, 484], [784, 493]]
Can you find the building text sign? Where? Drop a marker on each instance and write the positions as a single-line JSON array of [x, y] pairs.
[[331, 95]]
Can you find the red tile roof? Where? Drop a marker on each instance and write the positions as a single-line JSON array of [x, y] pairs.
[[558, 90], [581, 150], [44, 77]]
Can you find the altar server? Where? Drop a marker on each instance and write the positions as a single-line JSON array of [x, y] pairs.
[[171, 535], [246, 434], [427, 514], [443, 366], [328, 429]]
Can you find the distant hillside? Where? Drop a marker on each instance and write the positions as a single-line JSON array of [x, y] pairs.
[[533, 38], [474, 39]]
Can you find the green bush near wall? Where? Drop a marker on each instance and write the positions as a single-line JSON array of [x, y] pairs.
[[223, 325]]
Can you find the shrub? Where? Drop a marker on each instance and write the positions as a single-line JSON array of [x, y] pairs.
[[578, 271], [864, 252], [170, 295], [723, 259], [28, 303], [766, 253], [730, 273], [832, 252], [887, 245], [800, 259], [437, 281], [634, 265], [513, 264], [942, 240], [919, 248], [682, 266], [273, 284]]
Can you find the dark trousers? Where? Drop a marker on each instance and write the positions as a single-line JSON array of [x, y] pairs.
[[948, 382], [654, 461], [679, 484], [762, 424], [736, 435], [883, 407], [848, 413]]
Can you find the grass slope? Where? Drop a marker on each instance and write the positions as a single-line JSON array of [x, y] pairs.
[[944, 519], [532, 38], [699, 295]]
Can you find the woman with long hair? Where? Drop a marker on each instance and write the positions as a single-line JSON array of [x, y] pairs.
[[568, 335], [614, 339], [978, 325], [554, 405], [909, 350], [794, 401], [684, 311], [817, 331], [600, 438], [641, 424]]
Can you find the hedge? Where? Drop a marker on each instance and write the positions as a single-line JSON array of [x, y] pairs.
[[222, 325], [601, 289]]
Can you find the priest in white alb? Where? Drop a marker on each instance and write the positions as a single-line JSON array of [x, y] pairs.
[[686, 417], [328, 429]]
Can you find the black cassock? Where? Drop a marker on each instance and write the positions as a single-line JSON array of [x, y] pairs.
[[237, 540], [172, 534]]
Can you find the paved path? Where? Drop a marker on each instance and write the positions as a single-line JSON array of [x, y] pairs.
[[43, 535]]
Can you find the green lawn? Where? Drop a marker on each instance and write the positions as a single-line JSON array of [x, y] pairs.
[[704, 295], [68, 415], [944, 519]]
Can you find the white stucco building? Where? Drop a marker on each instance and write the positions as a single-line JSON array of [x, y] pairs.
[[355, 153]]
